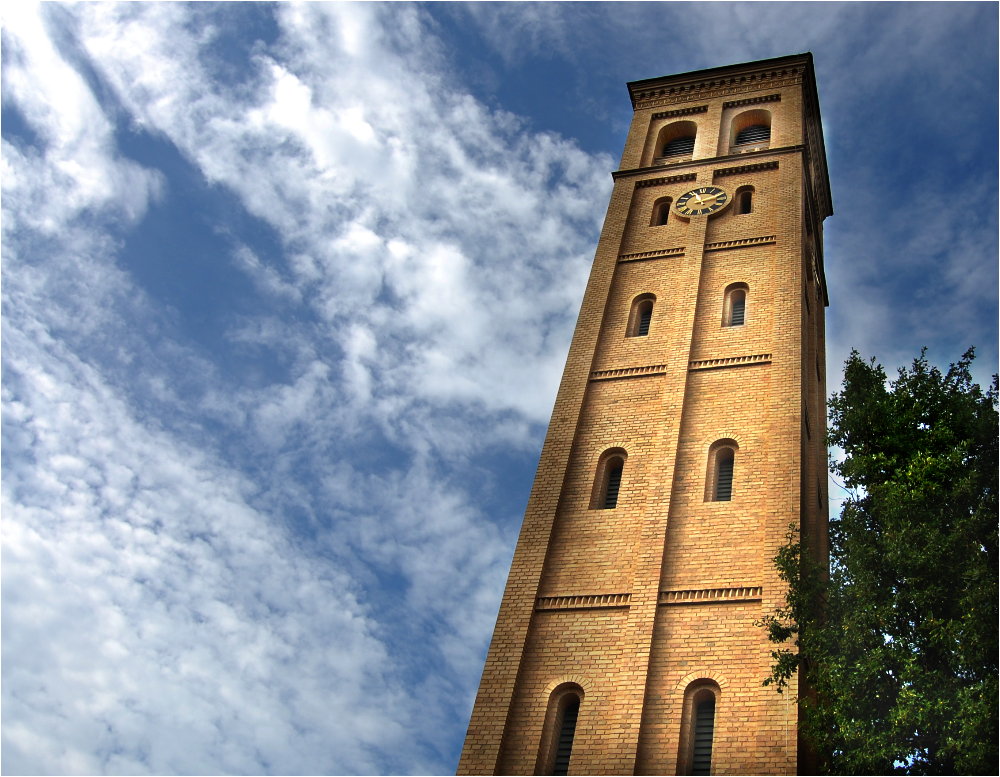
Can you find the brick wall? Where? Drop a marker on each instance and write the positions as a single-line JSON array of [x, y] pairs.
[[632, 607]]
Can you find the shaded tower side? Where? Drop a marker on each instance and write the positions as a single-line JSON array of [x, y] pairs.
[[687, 435]]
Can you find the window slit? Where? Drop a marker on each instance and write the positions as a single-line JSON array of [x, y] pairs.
[[724, 481], [739, 310], [614, 484], [645, 316], [704, 728], [567, 730]]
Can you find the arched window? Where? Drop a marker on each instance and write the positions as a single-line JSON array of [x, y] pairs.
[[613, 485], [661, 212], [698, 728], [640, 316], [724, 462], [608, 482], [734, 305], [675, 142], [721, 468], [744, 200], [560, 729], [750, 131], [567, 731]]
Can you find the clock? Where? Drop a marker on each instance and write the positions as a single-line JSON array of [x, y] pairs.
[[702, 201]]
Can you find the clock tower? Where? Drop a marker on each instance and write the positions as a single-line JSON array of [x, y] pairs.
[[687, 436]]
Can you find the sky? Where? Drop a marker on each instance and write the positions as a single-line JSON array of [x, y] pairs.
[[287, 293]]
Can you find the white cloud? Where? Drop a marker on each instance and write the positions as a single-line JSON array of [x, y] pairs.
[[157, 622], [78, 160], [345, 157], [232, 616]]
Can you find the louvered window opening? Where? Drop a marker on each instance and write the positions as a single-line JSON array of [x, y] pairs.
[[679, 147], [758, 133], [724, 482], [614, 484], [739, 312], [567, 730], [704, 728], [645, 316]]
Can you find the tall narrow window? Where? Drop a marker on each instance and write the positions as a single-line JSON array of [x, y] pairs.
[[559, 730], [739, 310], [721, 468], [661, 212], [743, 200], [615, 467], [608, 483], [698, 727], [724, 475], [644, 317], [734, 306], [640, 316], [567, 731], [704, 729]]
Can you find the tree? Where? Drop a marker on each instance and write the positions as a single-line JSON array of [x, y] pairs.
[[896, 640]]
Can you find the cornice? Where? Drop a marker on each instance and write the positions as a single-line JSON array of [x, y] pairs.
[[584, 602], [767, 98], [743, 169], [662, 253], [732, 361], [738, 79], [744, 242], [739, 84], [681, 112], [667, 179], [747, 593], [706, 595], [629, 372], [715, 160]]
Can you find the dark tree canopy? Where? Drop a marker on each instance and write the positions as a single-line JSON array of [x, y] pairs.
[[897, 642]]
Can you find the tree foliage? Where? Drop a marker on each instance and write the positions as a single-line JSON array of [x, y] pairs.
[[896, 642]]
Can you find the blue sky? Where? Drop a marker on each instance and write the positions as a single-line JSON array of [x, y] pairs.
[[287, 292]]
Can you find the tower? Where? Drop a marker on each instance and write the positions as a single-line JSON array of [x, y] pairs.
[[687, 435]]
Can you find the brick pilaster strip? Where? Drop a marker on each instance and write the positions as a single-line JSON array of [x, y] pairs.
[[484, 739]]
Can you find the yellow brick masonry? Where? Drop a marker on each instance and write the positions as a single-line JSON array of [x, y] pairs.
[[634, 603]]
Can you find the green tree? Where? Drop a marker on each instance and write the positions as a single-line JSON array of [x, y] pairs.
[[896, 640]]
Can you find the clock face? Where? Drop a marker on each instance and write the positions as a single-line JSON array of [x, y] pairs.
[[702, 201]]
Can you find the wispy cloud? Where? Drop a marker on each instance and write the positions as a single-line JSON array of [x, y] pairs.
[[246, 558], [284, 316]]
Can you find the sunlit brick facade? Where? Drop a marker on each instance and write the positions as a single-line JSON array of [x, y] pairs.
[[627, 625]]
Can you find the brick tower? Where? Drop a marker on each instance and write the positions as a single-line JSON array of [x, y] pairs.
[[687, 434]]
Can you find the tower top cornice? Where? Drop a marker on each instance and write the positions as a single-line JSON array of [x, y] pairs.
[[730, 79]]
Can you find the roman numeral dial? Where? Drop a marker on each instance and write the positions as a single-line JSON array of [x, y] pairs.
[[702, 201]]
